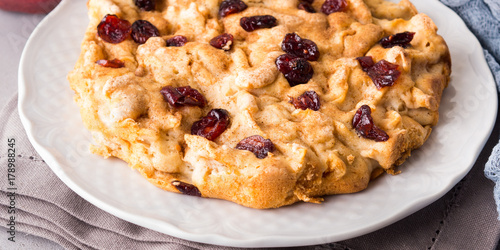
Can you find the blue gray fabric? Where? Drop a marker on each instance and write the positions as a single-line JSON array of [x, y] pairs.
[[483, 19]]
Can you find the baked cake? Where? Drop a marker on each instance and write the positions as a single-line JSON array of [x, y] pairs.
[[260, 102]]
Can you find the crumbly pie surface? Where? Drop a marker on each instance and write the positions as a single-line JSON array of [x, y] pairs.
[[304, 154]]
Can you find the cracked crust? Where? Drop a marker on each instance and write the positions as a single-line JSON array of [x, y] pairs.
[[317, 152]]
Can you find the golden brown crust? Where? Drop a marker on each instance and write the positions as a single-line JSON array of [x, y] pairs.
[[317, 152]]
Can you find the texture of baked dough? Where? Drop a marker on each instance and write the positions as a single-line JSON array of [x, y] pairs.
[[317, 152]]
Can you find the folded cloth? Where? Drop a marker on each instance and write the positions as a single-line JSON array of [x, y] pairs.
[[461, 219], [483, 19], [492, 167], [495, 7]]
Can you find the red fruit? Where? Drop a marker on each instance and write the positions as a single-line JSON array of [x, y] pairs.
[[142, 30], [212, 125], [364, 126], [147, 5], [331, 6], [293, 44], [176, 41], [183, 96], [223, 41], [382, 73], [295, 69], [258, 22], [115, 63], [306, 6], [308, 100], [229, 7], [186, 188], [113, 29], [257, 145], [400, 39], [366, 62]]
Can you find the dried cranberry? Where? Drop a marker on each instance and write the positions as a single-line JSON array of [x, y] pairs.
[[186, 188], [113, 29], [366, 62], [115, 63], [212, 125], [258, 22], [177, 41], [222, 41], [331, 6], [146, 5], [306, 6], [257, 145], [229, 7], [308, 100], [293, 44], [383, 73], [295, 69], [142, 30], [363, 123], [183, 96], [400, 39]]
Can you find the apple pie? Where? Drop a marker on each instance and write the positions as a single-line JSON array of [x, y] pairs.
[[260, 102]]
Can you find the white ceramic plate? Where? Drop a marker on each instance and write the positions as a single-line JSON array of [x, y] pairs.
[[54, 126]]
